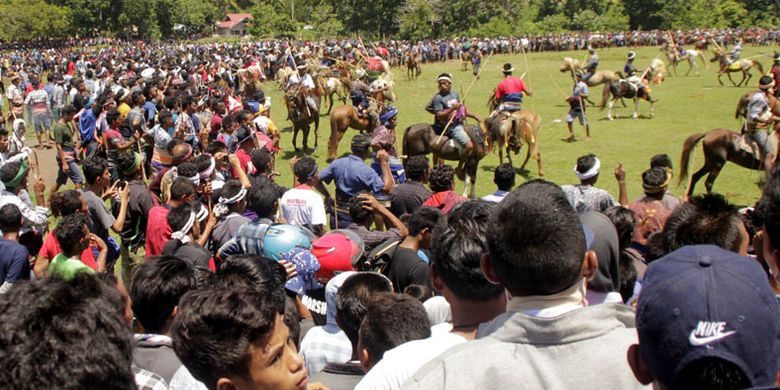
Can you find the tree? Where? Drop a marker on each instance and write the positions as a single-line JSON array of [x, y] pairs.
[[195, 16], [326, 23], [553, 24], [269, 22], [141, 17], [29, 19], [417, 20]]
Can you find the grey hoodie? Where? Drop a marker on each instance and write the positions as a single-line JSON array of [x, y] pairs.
[[582, 349]]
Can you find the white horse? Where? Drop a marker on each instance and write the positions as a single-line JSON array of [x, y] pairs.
[[283, 75], [330, 86], [675, 57], [385, 84]]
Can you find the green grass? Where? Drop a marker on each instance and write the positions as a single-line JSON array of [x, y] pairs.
[[686, 105]]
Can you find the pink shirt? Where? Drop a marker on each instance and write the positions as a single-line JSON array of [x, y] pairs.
[[509, 85], [157, 230]]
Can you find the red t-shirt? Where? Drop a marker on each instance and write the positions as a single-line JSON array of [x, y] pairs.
[[51, 248], [509, 85], [244, 158], [444, 201], [157, 230]]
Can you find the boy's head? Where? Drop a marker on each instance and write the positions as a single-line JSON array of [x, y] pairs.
[[73, 234], [236, 339], [157, 286], [14, 175], [706, 219], [390, 320], [442, 178], [352, 300], [423, 222], [263, 200], [96, 171], [182, 190], [306, 170], [504, 177], [10, 218], [416, 168], [262, 159], [587, 168], [536, 242]]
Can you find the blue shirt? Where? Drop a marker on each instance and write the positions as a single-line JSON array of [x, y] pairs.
[[351, 176], [495, 197], [248, 239], [150, 112], [87, 123], [14, 265]]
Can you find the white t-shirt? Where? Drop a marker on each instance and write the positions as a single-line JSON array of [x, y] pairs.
[[401, 362], [301, 206]]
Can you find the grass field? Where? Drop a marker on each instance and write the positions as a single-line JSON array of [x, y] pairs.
[[686, 105]]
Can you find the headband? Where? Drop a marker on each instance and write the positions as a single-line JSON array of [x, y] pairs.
[[186, 155], [206, 173], [659, 188], [591, 172], [241, 142], [183, 234], [137, 161], [444, 78], [222, 207], [194, 179], [23, 168], [766, 86]]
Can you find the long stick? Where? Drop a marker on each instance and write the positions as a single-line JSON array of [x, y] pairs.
[[563, 95], [463, 100], [527, 71], [143, 163]]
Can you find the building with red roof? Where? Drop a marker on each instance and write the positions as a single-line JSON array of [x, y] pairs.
[[234, 25]]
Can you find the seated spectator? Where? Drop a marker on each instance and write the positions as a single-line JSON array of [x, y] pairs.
[[406, 266], [352, 301], [236, 339], [361, 210], [650, 213], [83, 323], [547, 317], [390, 320], [14, 259], [410, 195], [504, 179], [74, 237], [706, 319], [442, 181], [456, 274], [157, 286], [185, 239], [706, 219], [585, 196]]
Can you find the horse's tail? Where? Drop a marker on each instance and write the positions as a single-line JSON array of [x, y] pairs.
[[741, 110], [605, 96], [703, 61], [405, 142], [758, 66], [685, 157]]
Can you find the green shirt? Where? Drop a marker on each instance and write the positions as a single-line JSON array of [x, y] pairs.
[[66, 268], [62, 135]]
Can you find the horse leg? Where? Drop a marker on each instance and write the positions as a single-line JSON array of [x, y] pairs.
[[730, 79], [636, 108], [306, 129], [538, 157], [527, 157], [746, 80], [690, 66], [317, 130], [295, 137], [652, 109], [609, 109], [710, 181], [697, 176], [719, 80]]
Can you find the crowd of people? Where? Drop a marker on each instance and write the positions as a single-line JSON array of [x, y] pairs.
[[183, 260]]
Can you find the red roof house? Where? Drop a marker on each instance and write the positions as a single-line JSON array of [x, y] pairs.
[[233, 25]]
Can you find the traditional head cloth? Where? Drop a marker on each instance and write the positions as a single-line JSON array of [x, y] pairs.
[[766, 82], [20, 175], [137, 161], [222, 207], [445, 77], [183, 234], [593, 171], [206, 173]]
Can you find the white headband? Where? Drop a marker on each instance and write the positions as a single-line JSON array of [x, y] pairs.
[[222, 207], [183, 234], [590, 172], [445, 78], [206, 173]]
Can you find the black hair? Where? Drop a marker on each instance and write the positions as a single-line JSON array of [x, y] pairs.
[[135, 97], [425, 217], [654, 248], [94, 168], [293, 321], [228, 120], [170, 102], [457, 252], [504, 177], [187, 101], [215, 329], [305, 168], [70, 232], [661, 160], [586, 162], [243, 134], [181, 187], [256, 273], [164, 116], [262, 200], [3, 132], [68, 110], [441, 178], [624, 220], [187, 169], [78, 321], [112, 116], [416, 167], [654, 177], [243, 115], [352, 300], [704, 219], [10, 218], [357, 212], [202, 162], [711, 372], [9, 171], [125, 162], [391, 320], [261, 157], [548, 258], [156, 288], [767, 212], [419, 292], [65, 202], [216, 147], [178, 216]]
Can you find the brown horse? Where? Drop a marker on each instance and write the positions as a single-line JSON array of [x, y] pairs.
[[413, 69], [346, 117], [510, 131], [721, 146], [743, 65], [301, 115], [421, 139], [600, 77], [465, 60]]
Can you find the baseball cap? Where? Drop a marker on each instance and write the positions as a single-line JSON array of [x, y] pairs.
[[338, 251], [703, 301], [306, 265]]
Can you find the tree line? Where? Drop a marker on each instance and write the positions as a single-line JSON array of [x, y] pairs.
[[405, 19]]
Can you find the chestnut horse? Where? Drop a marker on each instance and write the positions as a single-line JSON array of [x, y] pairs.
[[509, 132]]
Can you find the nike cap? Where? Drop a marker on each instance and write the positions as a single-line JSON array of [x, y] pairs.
[[703, 301]]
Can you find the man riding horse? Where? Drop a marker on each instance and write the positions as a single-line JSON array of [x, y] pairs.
[[449, 114], [509, 92], [631, 73], [358, 93], [592, 64], [303, 83], [760, 120]]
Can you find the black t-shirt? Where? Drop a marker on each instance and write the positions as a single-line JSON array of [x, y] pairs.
[[407, 268], [314, 300]]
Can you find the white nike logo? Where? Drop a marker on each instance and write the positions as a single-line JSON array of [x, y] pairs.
[[699, 341]]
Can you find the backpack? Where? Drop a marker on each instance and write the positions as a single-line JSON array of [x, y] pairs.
[[380, 258]]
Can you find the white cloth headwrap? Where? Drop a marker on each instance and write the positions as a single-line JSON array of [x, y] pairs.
[[206, 174], [590, 172], [183, 234], [222, 207]]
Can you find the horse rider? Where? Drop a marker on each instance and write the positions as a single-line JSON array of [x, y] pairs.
[[775, 72], [305, 82], [760, 119], [592, 64], [735, 52], [358, 92], [630, 71], [509, 92], [447, 109]]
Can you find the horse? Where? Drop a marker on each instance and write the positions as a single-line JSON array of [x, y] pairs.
[[674, 57], [598, 78], [283, 76], [743, 65], [330, 86], [465, 60], [250, 79], [510, 131], [413, 69], [301, 115], [346, 117], [420, 139], [721, 146], [656, 71], [623, 89]]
